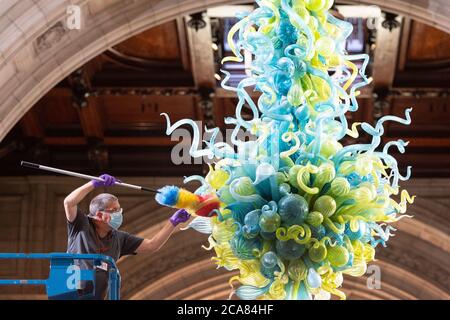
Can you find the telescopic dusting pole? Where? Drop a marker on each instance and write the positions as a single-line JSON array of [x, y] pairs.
[[83, 176]]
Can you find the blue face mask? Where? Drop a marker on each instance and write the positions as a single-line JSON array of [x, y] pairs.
[[116, 219]]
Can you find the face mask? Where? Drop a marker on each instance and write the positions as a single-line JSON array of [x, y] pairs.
[[116, 219]]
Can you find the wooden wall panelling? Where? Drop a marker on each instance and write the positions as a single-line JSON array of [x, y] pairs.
[[91, 120], [31, 125], [158, 43], [427, 43]]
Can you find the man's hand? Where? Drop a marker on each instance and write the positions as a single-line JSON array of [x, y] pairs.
[[108, 181], [179, 216]]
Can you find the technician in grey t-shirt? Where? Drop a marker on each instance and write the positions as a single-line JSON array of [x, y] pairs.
[[98, 231]]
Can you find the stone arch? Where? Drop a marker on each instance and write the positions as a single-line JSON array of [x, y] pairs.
[[37, 51]]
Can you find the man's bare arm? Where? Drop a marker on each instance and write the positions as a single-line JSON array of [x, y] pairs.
[[74, 198], [155, 243]]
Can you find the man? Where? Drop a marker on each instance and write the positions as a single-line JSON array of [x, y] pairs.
[[98, 232]]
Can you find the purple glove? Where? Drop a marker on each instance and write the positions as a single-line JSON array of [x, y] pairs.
[[179, 216], [108, 181]]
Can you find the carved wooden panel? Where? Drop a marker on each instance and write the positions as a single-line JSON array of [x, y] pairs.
[[55, 112], [429, 116], [160, 43], [10, 231], [137, 112], [428, 43]]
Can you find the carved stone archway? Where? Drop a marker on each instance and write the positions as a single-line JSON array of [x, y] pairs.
[[37, 51]]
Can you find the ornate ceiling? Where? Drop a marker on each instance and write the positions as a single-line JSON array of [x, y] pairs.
[[106, 114]]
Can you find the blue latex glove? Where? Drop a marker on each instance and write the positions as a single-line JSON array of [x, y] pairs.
[[179, 216], [108, 181]]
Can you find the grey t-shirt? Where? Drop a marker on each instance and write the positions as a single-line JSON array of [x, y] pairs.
[[82, 238]]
